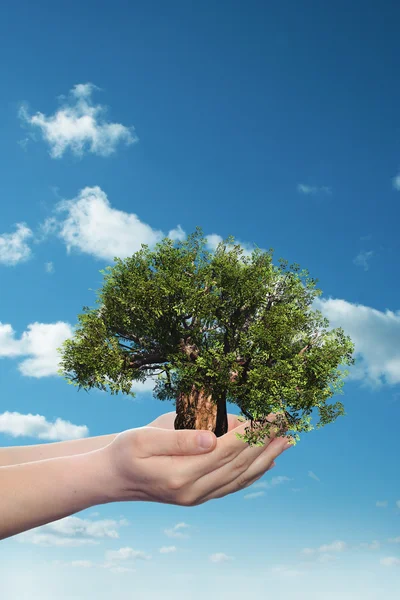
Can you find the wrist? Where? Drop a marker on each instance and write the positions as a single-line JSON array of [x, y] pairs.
[[96, 466]]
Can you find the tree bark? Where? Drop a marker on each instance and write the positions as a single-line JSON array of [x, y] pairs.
[[198, 410]]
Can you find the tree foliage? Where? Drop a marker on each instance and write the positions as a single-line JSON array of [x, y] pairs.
[[236, 326]]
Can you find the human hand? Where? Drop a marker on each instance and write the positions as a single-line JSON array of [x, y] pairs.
[[167, 421], [165, 465]]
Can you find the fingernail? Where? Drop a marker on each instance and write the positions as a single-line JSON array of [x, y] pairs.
[[288, 445], [205, 440]]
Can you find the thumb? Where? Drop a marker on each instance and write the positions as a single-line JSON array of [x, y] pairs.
[[166, 442]]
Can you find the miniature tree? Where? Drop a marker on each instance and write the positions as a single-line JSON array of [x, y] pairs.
[[212, 327]]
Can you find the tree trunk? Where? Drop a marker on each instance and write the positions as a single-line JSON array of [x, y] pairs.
[[198, 410]]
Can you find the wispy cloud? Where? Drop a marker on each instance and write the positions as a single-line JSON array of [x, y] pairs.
[[266, 485], [396, 182], [72, 532], [312, 190], [313, 476], [168, 549], [49, 267], [220, 557], [115, 561], [253, 495], [375, 545], [285, 571], [79, 125], [390, 561], [37, 426], [336, 546], [126, 553], [50, 539], [361, 260], [39, 342], [175, 532], [14, 248], [382, 503]]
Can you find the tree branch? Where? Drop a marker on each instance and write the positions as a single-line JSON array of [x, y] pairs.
[[150, 359]]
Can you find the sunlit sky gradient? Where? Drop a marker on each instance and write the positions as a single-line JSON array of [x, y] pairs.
[[278, 123]]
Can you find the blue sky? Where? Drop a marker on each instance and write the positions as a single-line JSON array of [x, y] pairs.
[[277, 123]]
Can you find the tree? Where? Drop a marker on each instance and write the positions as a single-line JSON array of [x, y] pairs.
[[212, 328]]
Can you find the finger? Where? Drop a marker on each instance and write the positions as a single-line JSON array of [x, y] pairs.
[[233, 422], [204, 475], [154, 441], [165, 421], [257, 469], [227, 450]]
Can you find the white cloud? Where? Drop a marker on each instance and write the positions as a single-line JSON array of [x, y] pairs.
[[104, 528], [382, 503], [93, 226], [214, 239], [37, 426], [395, 540], [253, 495], [375, 545], [177, 234], [49, 267], [220, 557], [174, 531], [145, 387], [308, 551], [285, 571], [13, 246], [312, 190], [336, 546], [119, 569], [398, 503], [72, 532], [266, 485], [376, 336], [50, 539], [326, 558], [396, 182], [79, 126], [361, 260], [167, 549], [83, 564], [125, 554], [272, 483], [390, 561], [313, 476], [88, 564], [325, 549], [40, 342]]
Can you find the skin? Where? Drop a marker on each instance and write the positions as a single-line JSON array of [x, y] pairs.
[[155, 463]]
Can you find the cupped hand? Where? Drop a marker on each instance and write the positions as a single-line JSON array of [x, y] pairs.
[[167, 421], [161, 464]]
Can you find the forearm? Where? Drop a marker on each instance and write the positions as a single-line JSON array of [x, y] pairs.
[[36, 493], [15, 455]]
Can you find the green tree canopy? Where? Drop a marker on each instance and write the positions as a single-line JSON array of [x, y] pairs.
[[232, 325]]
